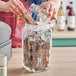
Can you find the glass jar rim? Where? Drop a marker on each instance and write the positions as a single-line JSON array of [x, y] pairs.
[[39, 26]]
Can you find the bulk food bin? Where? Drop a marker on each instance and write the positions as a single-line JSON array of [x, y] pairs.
[[37, 47]]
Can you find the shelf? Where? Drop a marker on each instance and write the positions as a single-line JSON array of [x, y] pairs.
[[64, 38], [64, 34]]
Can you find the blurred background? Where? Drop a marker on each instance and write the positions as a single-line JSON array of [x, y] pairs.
[[64, 31], [66, 2]]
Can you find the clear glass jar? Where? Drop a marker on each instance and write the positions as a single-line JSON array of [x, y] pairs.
[[37, 47], [3, 65]]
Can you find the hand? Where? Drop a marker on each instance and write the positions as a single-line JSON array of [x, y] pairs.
[[51, 8], [15, 6]]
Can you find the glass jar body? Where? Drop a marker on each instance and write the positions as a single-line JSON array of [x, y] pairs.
[[37, 47]]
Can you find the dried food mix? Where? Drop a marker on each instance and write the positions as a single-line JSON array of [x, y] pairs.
[[36, 48]]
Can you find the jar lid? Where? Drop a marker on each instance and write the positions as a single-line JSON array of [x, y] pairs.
[[39, 26]]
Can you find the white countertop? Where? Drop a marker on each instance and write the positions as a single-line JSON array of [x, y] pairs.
[[63, 63]]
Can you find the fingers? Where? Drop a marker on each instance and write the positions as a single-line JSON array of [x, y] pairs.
[[50, 10], [21, 6], [52, 14], [16, 3], [46, 5], [20, 3], [16, 7]]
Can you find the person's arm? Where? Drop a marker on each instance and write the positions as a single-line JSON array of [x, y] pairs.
[[14, 6], [3, 6], [51, 6]]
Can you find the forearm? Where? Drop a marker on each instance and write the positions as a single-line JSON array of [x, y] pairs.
[[3, 6]]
